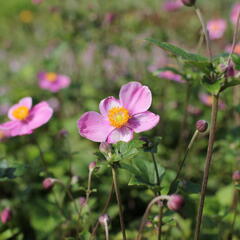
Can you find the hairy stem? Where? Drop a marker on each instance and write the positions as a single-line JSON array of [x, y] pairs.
[[118, 196], [207, 165]]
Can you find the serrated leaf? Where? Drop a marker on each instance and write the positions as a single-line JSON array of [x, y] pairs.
[[178, 51]]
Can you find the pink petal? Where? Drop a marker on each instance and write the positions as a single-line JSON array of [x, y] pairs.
[[135, 97], [107, 104], [143, 121], [93, 126], [124, 134], [64, 81], [27, 102]]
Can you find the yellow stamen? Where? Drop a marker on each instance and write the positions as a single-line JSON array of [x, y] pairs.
[[51, 77], [21, 113], [118, 116]]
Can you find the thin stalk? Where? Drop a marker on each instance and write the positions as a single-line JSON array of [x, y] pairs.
[[193, 139], [205, 31], [155, 200], [106, 230], [207, 165], [118, 196], [103, 212], [89, 186]]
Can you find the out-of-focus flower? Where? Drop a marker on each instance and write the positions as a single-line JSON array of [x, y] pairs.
[[26, 16], [194, 110], [4, 133], [171, 76], [88, 54], [208, 101], [236, 176], [119, 119], [37, 1], [175, 202], [48, 183], [25, 118], [234, 13], [82, 201], [159, 59], [172, 5], [236, 49], [4, 108], [109, 18], [189, 3], [53, 81], [216, 28], [6, 215], [54, 104]]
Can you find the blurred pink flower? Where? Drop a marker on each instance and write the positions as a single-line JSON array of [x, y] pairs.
[[216, 28], [171, 76], [48, 183], [53, 81], [236, 48], [6, 215], [235, 12], [118, 119], [194, 110], [172, 5], [208, 100], [37, 1], [54, 104], [25, 118]]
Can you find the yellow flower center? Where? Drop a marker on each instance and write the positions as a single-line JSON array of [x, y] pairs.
[[118, 116], [21, 113], [51, 77]]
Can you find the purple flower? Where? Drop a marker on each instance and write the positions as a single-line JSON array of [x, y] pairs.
[[171, 76], [216, 28], [6, 215], [53, 81], [172, 5], [25, 118], [235, 12], [119, 119]]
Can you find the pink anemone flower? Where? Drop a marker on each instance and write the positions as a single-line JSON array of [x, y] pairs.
[[53, 81], [207, 100], [119, 119], [171, 76], [216, 28], [234, 13], [25, 118]]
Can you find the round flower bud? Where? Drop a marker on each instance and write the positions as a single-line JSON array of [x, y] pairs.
[[236, 176], [189, 3], [48, 183], [105, 147], [175, 202], [6, 215], [91, 166], [103, 219], [202, 126]]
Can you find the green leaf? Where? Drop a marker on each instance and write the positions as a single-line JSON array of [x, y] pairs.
[[232, 83], [236, 60], [212, 87], [174, 70], [204, 67], [8, 172], [178, 51], [237, 186]]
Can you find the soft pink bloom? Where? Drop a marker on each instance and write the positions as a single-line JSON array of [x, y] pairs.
[[25, 118], [235, 12], [6, 215], [236, 176], [119, 119], [208, 100], [53, 81], [54, 104], [216, 28], [171, 76], [172, 5]]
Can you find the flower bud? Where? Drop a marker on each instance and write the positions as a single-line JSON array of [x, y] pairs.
[[103, 219], [175, 202], [6, 215], [202, 126], [105, 147], [92, 166], [189, 3], [82, 201], [48, 183], [63, 133], [236, 176]]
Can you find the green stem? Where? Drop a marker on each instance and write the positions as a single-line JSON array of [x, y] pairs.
[[207, 165], [194, 137], [118, 196]]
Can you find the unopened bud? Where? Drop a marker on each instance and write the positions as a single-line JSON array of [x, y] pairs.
[[175, 202], [92, 166], [6, 215], [105, 147], [48, 183], [236, 176], [82, 201], [63, 133], [103, 219], [189, 3], [202, 126]]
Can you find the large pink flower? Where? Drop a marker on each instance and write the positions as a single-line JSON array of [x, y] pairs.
[[234, 13], [25, 118], [216, 28], [52, 81], [119, 119]]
